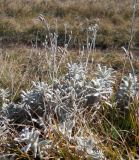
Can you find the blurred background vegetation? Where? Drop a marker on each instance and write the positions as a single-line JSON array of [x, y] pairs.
[[18, 21]]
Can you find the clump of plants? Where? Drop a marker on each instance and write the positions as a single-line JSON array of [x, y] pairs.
[[85, 112], [50, 119]]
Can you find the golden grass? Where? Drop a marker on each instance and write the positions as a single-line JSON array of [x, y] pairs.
[[114, 21]]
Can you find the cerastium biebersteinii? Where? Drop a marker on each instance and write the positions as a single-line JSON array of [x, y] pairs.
[[54, 109]]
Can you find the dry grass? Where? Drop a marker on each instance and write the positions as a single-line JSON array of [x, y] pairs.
[[20, 16]]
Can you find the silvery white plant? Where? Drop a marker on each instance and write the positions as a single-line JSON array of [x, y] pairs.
[[64, 98], [31, 138], [4, 95], [65, 95], [31, 97], [102, 86], [2, 127], [44, 147], [4, 121], [104, 81], [76, 72], [35, 96], [129, 86], [128, 90], [40, 86], [89, 146], [33, 100], [93, 29], [66, 128], [16, 113]]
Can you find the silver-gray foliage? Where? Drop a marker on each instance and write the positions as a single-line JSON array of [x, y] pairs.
[[65, 97], [89, 145], [128, 90], [31, 138]]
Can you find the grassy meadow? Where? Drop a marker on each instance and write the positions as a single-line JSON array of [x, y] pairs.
[[18, 22], [69, 86]]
